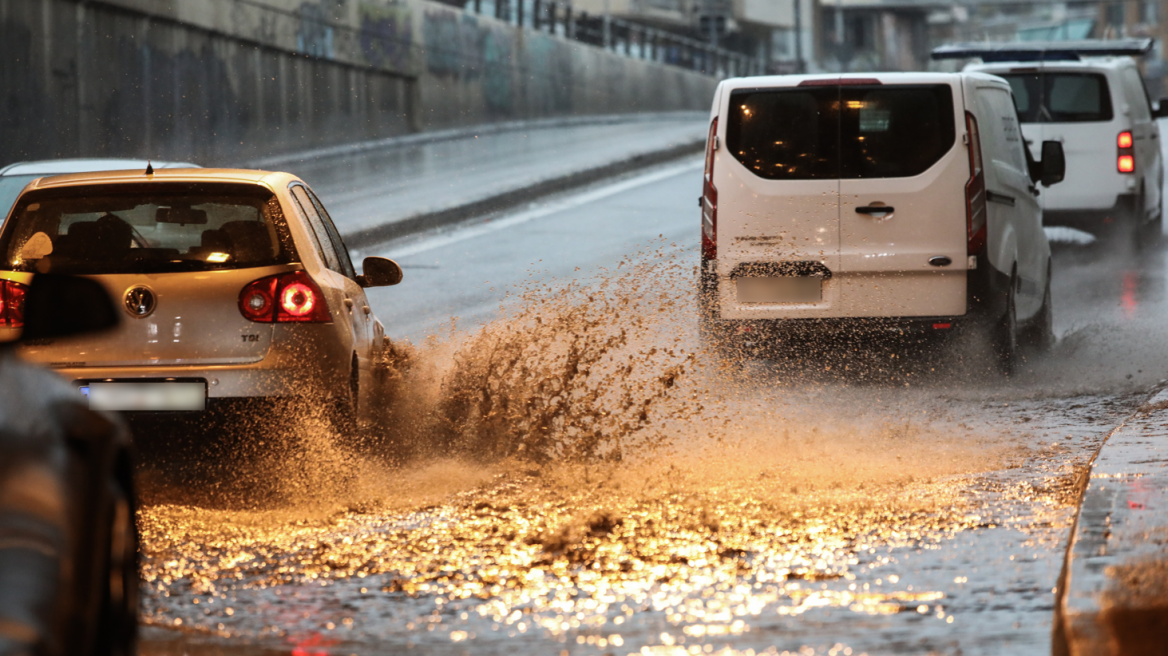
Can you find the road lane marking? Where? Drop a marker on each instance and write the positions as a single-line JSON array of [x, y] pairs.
[[570, 203]]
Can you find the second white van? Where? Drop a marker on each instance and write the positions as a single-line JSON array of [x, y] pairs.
[[901, 201]]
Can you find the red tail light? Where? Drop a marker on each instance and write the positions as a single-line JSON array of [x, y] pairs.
[[975, 190], [12, 304], [1125, 156], [710, 199], [284, 298]]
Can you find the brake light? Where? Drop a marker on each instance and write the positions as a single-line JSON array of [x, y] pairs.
[[284, 298], [12, 304], [710, 198], [975, 190], [1125, 156]]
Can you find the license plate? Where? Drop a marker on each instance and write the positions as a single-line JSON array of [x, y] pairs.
[[780, 289], [158, 397]]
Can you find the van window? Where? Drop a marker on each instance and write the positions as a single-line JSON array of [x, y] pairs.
[[788, 134], [801, 134], [1061, 97], [894, 131]]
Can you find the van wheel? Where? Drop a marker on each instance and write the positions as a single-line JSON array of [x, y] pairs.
[[1040, 336], [1007, 333], [1151, 233]]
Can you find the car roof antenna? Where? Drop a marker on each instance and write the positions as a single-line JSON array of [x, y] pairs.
[[149, 168]]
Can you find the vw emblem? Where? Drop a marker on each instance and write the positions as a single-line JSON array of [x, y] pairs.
[[140, 301]]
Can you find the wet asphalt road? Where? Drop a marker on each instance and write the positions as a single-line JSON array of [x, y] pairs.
[[771, 507]]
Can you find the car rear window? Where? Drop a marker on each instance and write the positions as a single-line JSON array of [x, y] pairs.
[[823, 132], [1061, 97], [146, 229]]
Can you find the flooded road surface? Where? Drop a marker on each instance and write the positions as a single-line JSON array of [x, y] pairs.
[[762, 507]]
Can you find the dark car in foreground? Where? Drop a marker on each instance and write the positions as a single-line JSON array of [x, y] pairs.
[[68, 540]]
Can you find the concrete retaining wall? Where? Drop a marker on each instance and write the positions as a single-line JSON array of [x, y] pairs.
[[221, 81]]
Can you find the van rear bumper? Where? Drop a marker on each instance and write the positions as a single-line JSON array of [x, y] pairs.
[[1125, 211], [846, 326]]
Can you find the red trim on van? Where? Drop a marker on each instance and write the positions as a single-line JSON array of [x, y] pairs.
[[710, 198], [975, 190]]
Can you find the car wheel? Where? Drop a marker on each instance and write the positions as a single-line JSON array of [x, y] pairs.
[[1040, 336], [714, 335], [118, 623], [1007, 333]]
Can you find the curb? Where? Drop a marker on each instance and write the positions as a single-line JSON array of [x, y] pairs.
[[366, 237], [1113, 592], [452, 134]]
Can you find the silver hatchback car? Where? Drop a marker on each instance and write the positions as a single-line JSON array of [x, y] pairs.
[[236, 287]]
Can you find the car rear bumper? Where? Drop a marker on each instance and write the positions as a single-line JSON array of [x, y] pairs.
[[1123, 212]]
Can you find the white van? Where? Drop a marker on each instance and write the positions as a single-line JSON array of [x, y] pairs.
[[890, 200], [1098, 108]]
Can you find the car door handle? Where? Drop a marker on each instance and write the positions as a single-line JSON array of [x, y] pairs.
[[349, 303], [875, 210]]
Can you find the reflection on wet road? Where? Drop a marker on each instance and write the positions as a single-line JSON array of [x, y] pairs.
[[788, 515]]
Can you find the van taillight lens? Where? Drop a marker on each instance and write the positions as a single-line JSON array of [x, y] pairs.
[[975, 190], [283, 298], [710, 199], [1125, 155], [12, 304]]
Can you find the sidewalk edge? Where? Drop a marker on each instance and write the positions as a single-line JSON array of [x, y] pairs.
[[451, 134], [366, 237]]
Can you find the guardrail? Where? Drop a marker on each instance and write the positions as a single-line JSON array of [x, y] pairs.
[[630, 39]]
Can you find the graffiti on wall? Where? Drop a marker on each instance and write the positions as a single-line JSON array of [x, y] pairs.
[[387, 37], [459, 46]]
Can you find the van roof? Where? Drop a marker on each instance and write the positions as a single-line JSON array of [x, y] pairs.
[[1087, 64], [763, 81]]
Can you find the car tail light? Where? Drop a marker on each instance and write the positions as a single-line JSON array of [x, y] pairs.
[[12, 304], [975, 190], [284, 298], [1125, 156], [710, 198]]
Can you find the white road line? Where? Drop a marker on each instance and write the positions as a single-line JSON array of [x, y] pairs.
[[572, 202]]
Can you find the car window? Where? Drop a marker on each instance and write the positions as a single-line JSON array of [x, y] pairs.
[[841, 132], [346, 262], [894, 131], [323, 243], [146, 229], [785, 134], [1061, 97]]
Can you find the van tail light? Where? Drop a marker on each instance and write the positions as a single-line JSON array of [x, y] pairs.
[[710, 198], [1125, 155], [284, 298], [12, 304], [975, 190]]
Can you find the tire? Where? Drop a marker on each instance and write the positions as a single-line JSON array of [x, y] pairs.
[[1006, 337], [1151, 233], [117, 629], [1040, 336]]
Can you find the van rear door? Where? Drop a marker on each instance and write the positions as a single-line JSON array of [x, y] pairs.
[[903, 235], [778, 187]]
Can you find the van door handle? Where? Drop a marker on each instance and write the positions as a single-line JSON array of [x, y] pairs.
[[997, 197], [875, 210]]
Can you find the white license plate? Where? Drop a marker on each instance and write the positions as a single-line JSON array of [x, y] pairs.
[[158, 397], [780, 289]]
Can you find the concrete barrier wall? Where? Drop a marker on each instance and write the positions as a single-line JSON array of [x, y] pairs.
[[220, 81]]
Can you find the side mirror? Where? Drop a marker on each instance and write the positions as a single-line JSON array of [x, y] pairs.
[[1053, 164], [64, 306], [379, 272], [1161, 109]]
